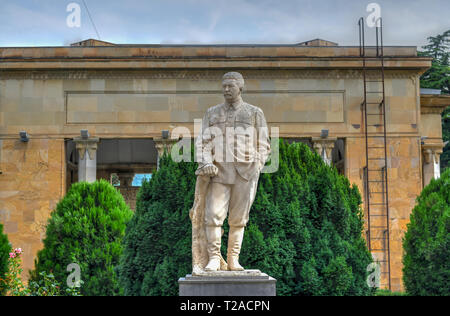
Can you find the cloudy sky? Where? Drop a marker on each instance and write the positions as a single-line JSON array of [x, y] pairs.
[[44, 22]]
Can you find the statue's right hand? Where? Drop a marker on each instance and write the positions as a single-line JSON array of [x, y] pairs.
[[209, 170]]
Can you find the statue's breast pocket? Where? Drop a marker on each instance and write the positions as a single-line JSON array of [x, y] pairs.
[[243, 124], [217, 125], [245, 134]]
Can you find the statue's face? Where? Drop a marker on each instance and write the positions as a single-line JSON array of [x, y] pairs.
[[231, 90]]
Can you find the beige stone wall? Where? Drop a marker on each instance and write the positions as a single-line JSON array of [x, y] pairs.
[[32, 183], [141, 104], [405, 184], [298, 106]]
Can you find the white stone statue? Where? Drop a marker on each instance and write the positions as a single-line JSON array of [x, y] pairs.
[[232, 149]]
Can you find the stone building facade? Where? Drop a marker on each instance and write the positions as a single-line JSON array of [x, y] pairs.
[[125, 95]]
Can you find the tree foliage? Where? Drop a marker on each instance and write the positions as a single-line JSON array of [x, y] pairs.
[[426, 261], [86, 228], [311, 224], [438, 76], [5, 249], [445, 157], [305, 230], [157, 243]]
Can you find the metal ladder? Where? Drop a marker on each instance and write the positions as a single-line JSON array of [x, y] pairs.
[[376, 169]]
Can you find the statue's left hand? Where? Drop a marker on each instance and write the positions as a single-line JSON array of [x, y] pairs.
[[209, 170]]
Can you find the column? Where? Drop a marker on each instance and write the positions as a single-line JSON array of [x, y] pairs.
[[431, 165], [162, 144], [87, 158], [324, 147]]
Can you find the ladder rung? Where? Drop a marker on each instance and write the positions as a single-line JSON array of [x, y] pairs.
[[375, 147], [376, 158], [376, 204], [376, 181], [374, 91], [378, 227], [375, 113], [377, 125], [378, 250], [374, 80], [378, 215]]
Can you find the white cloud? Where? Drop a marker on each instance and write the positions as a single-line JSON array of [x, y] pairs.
[[219, 21]]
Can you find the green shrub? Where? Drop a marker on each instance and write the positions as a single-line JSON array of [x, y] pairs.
[[5, 249], [426, 261], [157, 243], [86, 228], [48, 286], [389, 293], [305, 230], [13, 281]]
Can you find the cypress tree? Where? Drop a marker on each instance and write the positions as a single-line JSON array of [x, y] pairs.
[[86, 228], [426, 261], [157, 243]]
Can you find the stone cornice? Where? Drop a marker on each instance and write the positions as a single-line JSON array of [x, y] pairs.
[[195, 74], [198, 51], [418, 63], [434, 104], [206, 57]]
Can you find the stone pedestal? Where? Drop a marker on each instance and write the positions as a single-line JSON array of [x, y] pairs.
[[228, 283]]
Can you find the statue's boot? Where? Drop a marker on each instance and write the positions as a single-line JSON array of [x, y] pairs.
[[235, 237], [213, 237]]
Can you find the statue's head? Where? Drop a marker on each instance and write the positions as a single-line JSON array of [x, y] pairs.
[[232, 85]]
